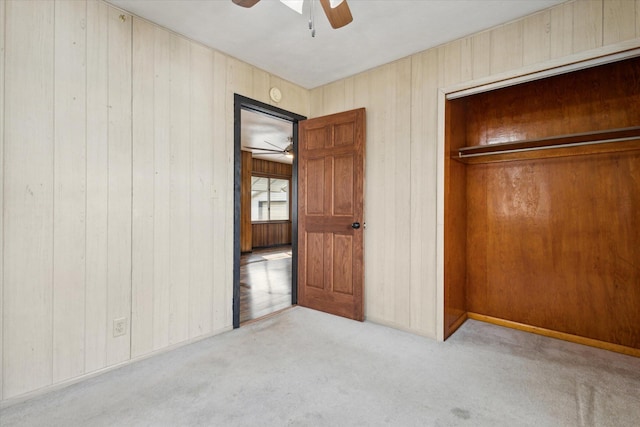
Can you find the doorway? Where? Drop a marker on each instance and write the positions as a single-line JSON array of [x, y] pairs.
[[275, 218]]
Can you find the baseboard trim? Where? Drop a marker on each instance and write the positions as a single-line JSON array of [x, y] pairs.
[[617, 348], [66, 383]]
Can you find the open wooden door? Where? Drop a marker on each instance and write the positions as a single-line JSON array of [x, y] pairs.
[[330, 213]]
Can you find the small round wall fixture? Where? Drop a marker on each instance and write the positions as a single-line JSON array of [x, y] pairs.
[[275, 94]]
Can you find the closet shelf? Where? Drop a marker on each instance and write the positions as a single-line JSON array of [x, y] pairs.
[[606, 141]]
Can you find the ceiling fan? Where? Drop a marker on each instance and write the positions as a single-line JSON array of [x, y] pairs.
[[287, 151], [337, 11]]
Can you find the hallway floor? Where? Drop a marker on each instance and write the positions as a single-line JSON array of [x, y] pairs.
[[265, 282], [303, 367]]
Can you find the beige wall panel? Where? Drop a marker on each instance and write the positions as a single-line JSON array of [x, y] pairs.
[[239, 77], [69, 189], [294, 98], [334, 98], [481, 59], [119, 207], [202, 212], [143, 188], [179, 187], [398, 194], [222, 110], [507, 47], [423, 192], [97, 150], [619, 21], [372, 288], [587, 25], [316, 102], [261, 85], [2, 8], [536, 38], [162, 108], [561, 30], [451, 58], [466, 59], [387, 195], [637, 18], [28, 196]]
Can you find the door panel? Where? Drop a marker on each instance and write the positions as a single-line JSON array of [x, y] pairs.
[[331, 198]]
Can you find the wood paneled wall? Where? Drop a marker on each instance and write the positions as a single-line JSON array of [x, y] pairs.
[[264, 234], [271, 234], [245, 202], [117, 187], [402, 136], [275, 169]]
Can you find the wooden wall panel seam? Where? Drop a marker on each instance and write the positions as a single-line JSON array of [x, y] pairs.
[[2, 169]]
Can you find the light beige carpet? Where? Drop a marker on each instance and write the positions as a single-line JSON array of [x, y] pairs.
[[308, 368]]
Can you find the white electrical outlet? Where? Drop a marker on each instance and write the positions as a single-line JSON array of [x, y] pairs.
[[119, 326]]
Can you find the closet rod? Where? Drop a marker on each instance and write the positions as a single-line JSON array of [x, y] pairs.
[[461, 155]]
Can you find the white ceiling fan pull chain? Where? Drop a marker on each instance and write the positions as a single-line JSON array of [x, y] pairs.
[[312, 25]]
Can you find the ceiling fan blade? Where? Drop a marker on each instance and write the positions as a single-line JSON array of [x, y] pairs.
[[338, 16], [262, 149], [274, 145], [245, 3]]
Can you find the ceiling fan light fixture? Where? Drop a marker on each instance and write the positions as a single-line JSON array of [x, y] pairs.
[[294, 4]]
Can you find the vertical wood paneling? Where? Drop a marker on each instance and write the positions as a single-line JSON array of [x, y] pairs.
[[294, 98], [2, 21], [245, 203], [388, 156], [161, 192], [481, 60], [423, 190], [399, 144], [637, 18], [143, 188], [119, 193], [69, 189], [506, 47], [451, 58], [97, 148], [223, 129], [202, 215], [619, 21], [239, 77], [334, 96], [28, 196], [221, 195], [561, 30], [537, 38], [161, 188], [316, 102], [587, 25], [261, 85], [180, 198]]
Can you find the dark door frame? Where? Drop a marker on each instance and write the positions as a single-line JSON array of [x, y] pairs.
[[243, 103]]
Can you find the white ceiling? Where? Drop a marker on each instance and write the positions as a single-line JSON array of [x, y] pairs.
[[275, 38], [263, 131]]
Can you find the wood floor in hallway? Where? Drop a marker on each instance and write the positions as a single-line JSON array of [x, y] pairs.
[[265, 282]]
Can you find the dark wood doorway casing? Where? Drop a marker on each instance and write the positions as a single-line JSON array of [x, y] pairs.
[[331, 214], [244, 103]]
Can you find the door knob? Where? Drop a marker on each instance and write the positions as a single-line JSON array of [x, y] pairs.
[[355, 225]]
